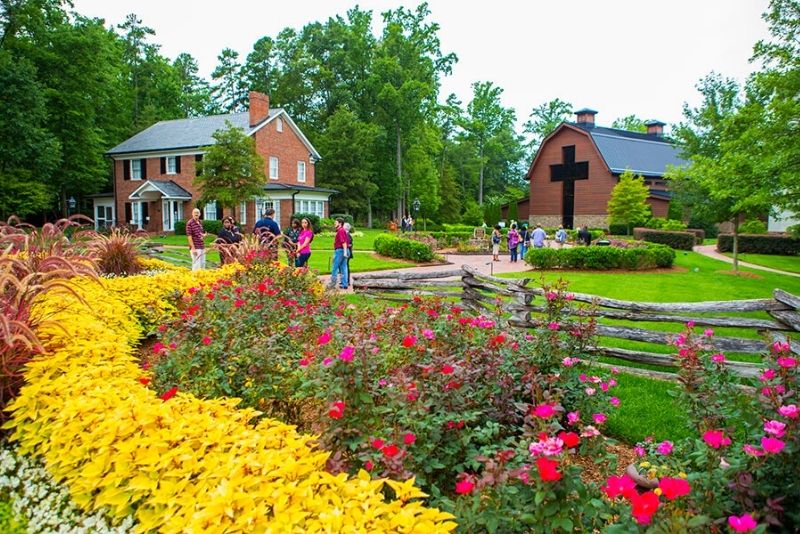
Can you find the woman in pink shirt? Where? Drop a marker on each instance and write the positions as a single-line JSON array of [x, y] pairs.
[[304, 243]]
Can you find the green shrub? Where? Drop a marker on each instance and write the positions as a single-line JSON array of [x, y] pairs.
[[473, 215], [397, 247], [451, 239], [761, 244], [572, 235], [618, 229], [346, 217], [650, 256], [677, 240], [457, 228], [753, 226], [210, 226], [312, 218], [709, 227], [794, 230], [660, 223]]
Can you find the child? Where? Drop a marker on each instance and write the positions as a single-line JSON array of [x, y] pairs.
[[497, 237]]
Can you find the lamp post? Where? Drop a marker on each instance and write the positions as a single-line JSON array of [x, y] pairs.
[[416, 205], [71, 203]]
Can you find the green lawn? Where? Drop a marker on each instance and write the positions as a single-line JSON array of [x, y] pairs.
[[321, 241], [782, 263]]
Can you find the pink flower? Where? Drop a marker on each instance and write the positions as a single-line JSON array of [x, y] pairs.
[[327, 361], [159, 347], [689, 324], [238, 303], [716, 439], [672, 488], [337, 410], [206, 340], [614, 370], [554, 326], [616, 486], [368, 465], [665, 448], [791, 411], [582, 377], [780, 346], [546, 447], [543, 410], [464, 486], [551, 295], [428, 334], [644, 506], [718, 358], [377, 443], [599, 418], [776, 428], [569, 296], [751, 450], [324, 338], [391, 450], [768, 374], [347, 354], [447, 369], [708, 332], [409, 341], [409, 438], [786, 362], [772, 445], [375, 350], [639, 450], [590, 391], [614, 401], [589, 432], [569, 362], [744, 523], [573, 417]]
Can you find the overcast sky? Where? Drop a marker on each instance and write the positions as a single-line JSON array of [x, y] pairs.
[[619, 57]]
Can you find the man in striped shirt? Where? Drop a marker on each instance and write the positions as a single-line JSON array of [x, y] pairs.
[[197, 248]]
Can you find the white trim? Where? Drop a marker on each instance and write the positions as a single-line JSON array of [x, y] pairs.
[[310, 195], [156, 154], [150, 186]]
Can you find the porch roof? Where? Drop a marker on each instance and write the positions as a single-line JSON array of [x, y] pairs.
[[155, 188]]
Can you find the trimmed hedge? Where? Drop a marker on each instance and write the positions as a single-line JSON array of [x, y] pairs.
[[211, 226], [451, 239], [618, 229], [602, 258], [784, 245], [397, 247], [312, 218], [677, 240]]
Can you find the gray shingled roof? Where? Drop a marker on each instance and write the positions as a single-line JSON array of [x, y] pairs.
[[171, 189], [183, 133], [643, 154]]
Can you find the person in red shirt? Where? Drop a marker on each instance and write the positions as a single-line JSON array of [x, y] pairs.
[[195, 234], [340, 250]]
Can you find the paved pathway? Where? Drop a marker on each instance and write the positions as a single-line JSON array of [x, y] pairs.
[[711, 252], [482, 262]]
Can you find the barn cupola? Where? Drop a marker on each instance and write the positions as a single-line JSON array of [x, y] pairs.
[[655, 128], [585, 117]]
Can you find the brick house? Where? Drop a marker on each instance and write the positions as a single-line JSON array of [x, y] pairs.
[[578, 165], [154, 171]]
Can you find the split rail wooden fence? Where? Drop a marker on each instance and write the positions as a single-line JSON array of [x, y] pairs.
[[486, 294]]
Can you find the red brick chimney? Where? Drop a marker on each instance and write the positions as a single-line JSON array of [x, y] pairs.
[[259, 107], [585, 117], [655, 128]]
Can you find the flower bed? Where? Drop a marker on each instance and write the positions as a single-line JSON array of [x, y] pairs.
[[178, 463]]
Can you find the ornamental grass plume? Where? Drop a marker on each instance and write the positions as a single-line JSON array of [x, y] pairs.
[[117, 252]]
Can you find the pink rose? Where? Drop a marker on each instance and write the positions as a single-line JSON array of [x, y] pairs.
[[776, 428], [665, 448], [791, 411], [744, 523], [772, 445]]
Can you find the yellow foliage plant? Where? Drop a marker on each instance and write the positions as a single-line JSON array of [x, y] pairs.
[[184, 464]]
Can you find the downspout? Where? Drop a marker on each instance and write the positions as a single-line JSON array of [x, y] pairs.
[[294, 206]]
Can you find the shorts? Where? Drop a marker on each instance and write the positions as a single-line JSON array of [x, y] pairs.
[[495, 249]]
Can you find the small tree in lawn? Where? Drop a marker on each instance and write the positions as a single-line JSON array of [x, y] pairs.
[[231, 171], [628, 203]]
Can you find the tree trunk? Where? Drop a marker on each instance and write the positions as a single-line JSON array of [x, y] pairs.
[[480, 181], [400, 211], [369, 213], [736, 243]]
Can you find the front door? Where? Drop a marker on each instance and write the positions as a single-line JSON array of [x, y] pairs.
[[172, 212]]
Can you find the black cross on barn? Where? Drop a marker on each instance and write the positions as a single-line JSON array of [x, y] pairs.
[[568, 172]]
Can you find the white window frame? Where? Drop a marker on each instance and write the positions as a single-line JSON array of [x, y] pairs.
[[243, 213], [136, 214], [274, 164], [314, 207], [103, 216], [263, 203], [301, 171], [136, 169], [279, 125], [172, 165], [210, 208]]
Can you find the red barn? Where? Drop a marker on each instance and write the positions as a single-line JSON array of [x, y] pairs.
[[578, 165], [154, 171]]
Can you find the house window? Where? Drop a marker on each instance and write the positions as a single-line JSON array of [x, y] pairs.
[[279, 125], [262, 204], [273, 168], [136, 169], [243, 213], [136, 213], [103, 217], [314, 207], [301, 171], [172, 166], [210, 211]]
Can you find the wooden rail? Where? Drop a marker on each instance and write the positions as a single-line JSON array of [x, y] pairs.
[[488, 294]]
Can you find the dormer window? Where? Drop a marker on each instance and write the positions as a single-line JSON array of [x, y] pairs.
[[279, 124]]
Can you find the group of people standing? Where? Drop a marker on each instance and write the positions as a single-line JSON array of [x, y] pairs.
[[301, 233], [407, 224], [520, 240]]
